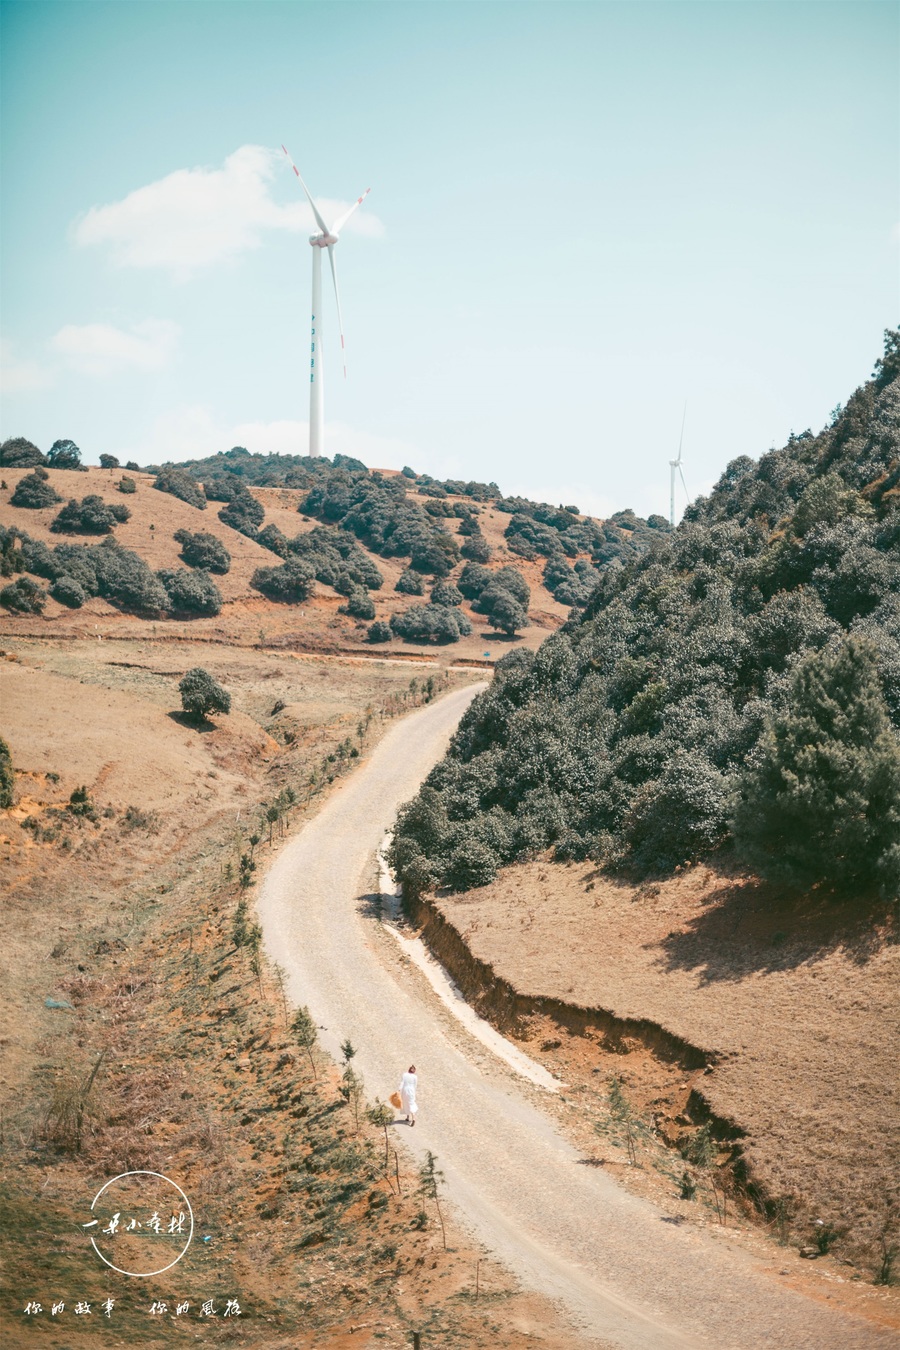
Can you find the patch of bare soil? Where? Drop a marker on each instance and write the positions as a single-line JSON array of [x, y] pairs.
[[123, 953], [752, 1038], [247, 617]]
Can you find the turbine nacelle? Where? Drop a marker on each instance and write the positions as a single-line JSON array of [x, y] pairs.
[[323, 240]]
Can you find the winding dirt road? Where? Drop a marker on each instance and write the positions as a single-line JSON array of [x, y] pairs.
[[628, 1278]]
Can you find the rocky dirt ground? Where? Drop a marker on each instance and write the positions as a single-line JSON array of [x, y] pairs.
[[124, 916], [709, 998]]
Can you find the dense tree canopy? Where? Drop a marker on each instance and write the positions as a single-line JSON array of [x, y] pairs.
[[624, 737]]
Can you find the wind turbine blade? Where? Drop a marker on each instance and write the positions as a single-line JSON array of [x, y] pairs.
[[342, 220], [337, 300], [315, 210], [683, 483], [681, 437]]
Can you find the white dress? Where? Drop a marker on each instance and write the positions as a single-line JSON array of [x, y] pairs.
[[408, 1093]]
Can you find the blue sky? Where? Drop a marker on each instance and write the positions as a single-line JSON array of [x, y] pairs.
[[582, 216]]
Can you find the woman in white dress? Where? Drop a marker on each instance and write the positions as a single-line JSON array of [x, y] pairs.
[[408, 1085]]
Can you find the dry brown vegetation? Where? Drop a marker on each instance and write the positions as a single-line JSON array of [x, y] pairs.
[[170, 1050], [753, 1039]]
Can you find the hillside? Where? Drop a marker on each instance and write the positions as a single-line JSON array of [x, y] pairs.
[[338, 556], [625, 737], [678, 824]]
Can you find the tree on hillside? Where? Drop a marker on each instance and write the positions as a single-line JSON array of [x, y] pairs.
[[180, 484], [34, 491], [820, 801], [203, 550], [190, 592], [290, 583], [108, 462], [19, 453], [24, 596], [7, 776], [90, 516], [507, 615], [201, 694], [64, 455]]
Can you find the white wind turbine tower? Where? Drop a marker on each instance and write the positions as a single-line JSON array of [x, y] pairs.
[[673, 465], [327, 238]]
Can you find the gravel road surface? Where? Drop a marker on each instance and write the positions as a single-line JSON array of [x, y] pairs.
[[628, 1278]]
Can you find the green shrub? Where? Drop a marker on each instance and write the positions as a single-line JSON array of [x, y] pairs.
[[820, 800], [471, 864], [274, 540], [477, 549], [430, 623], [123, 578], [473, 579], [506, 614], [90, 516], [379, 631], [290, 583], [203, 550], [19, 453], [34, 491], [410, 582], [126, 484], [190, 592], [180, 484], [67, 591], [201, 694], [7, 777], [445, 593], [243, 512], [24, 596], [108, 462], [359, 604]]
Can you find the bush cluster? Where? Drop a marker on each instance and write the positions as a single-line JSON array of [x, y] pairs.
[[738, 684], [190, 591], [34, 491], [24, 596], [19, 453], [203, 550], [179, 483], [78, 571], [290, 583], [91, 515], [430, 623], [243, 512]]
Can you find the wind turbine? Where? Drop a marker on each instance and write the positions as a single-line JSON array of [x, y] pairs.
[[327, 238], [673, 465]]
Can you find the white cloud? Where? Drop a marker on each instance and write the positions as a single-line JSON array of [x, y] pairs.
[[194, 218], [193, 432], [100, 349], [18, 376]]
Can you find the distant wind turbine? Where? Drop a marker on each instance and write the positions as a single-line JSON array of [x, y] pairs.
[[673, 465], [327, 238]]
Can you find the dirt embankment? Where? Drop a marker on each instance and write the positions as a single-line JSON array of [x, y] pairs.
[[711, 1000]]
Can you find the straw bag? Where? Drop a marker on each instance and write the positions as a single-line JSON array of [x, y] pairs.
[[395, 1100]]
